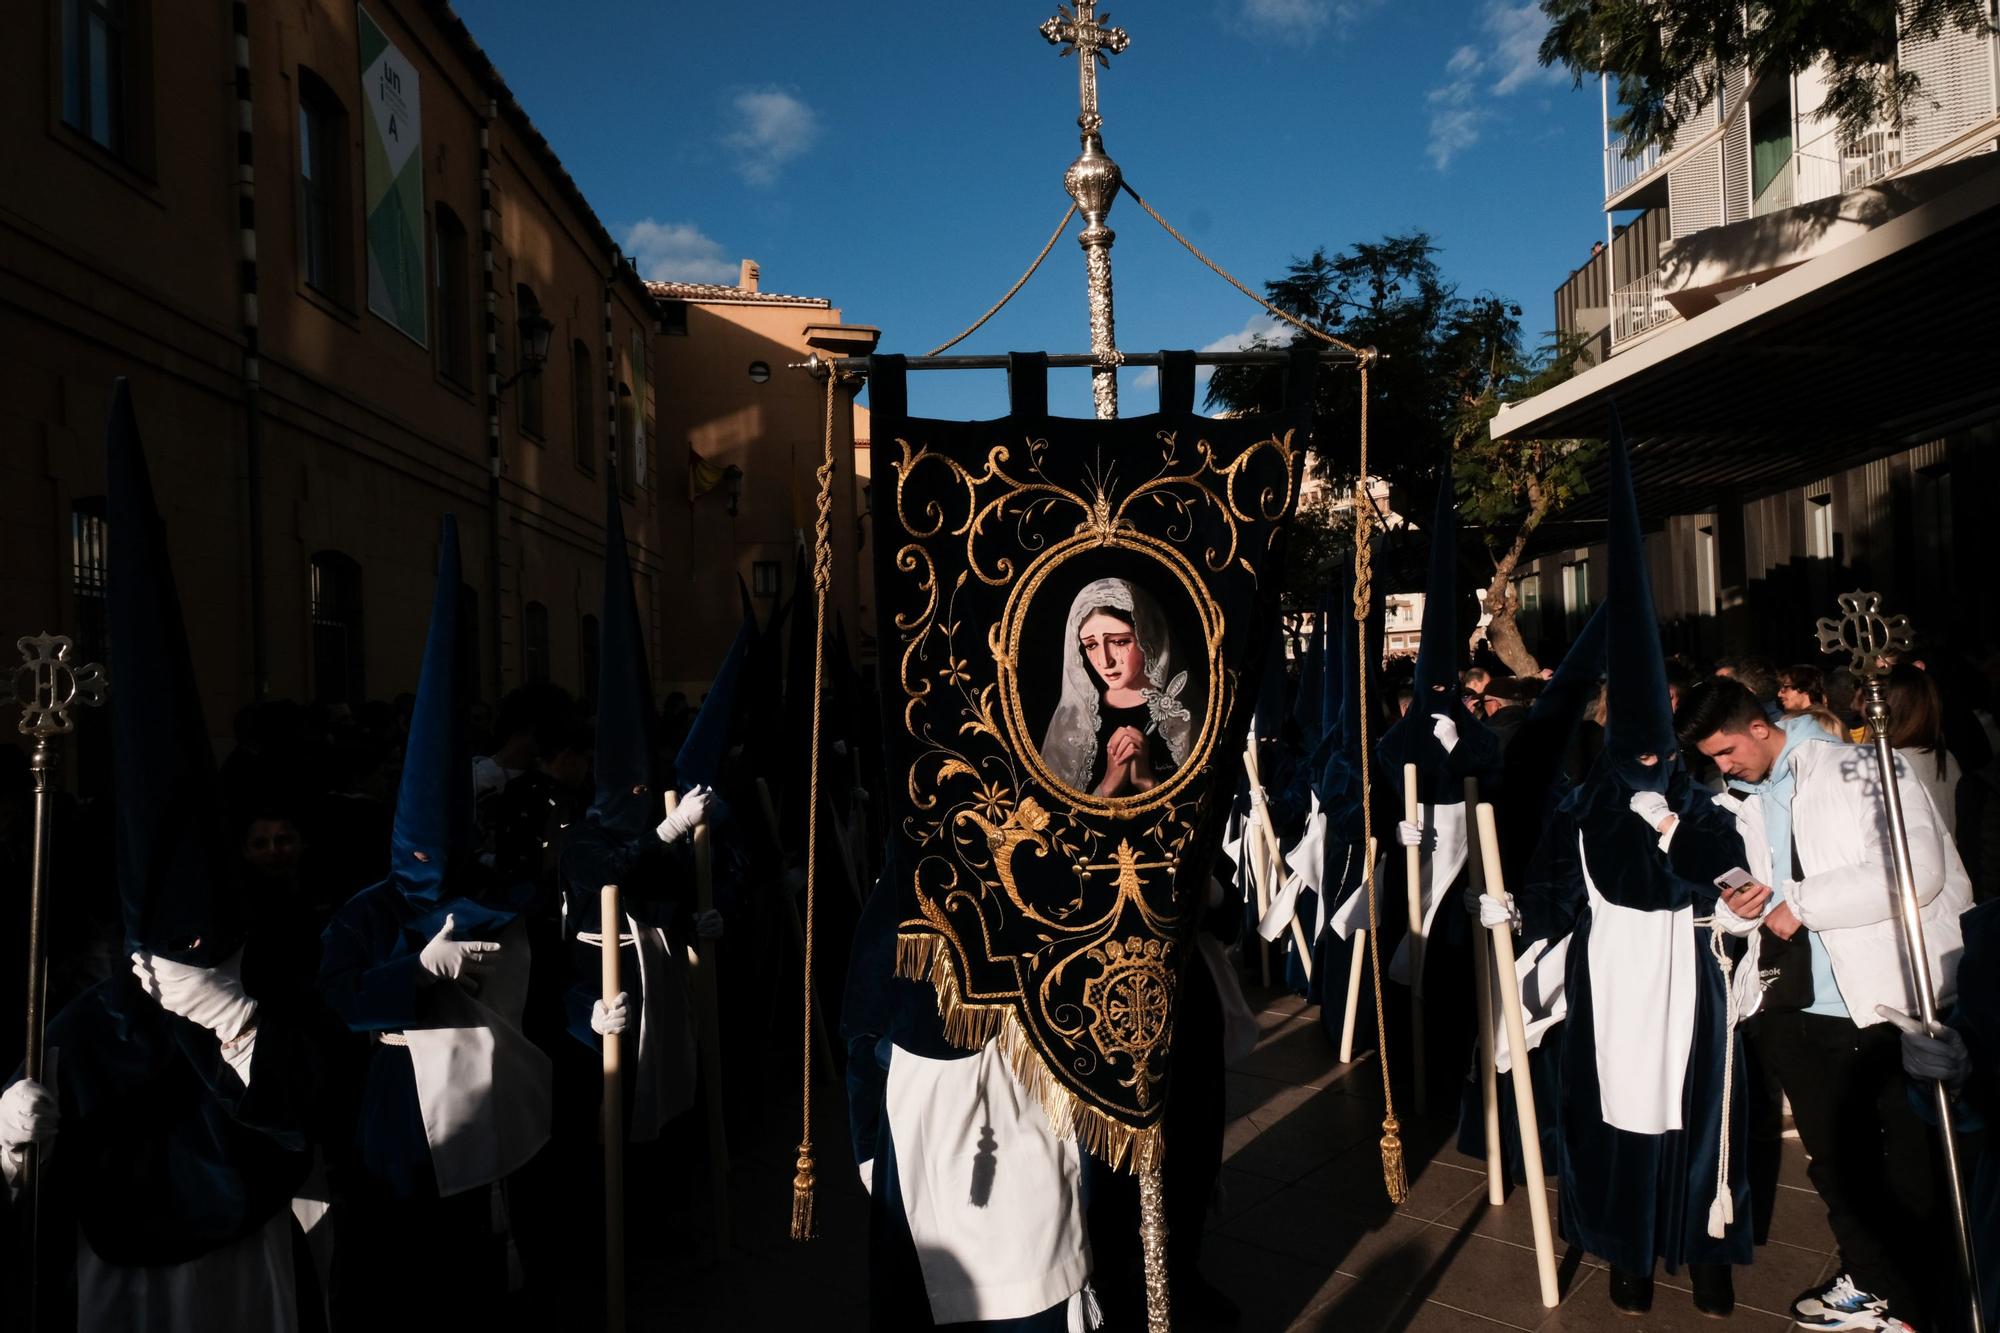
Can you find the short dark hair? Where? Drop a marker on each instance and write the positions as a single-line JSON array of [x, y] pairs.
[[1756, 673], [1716, 704]]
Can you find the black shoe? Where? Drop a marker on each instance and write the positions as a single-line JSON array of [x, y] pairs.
[[1631, 1292], [1714, 1289]]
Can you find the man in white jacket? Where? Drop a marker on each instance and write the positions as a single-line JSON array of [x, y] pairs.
[[1816, 829]]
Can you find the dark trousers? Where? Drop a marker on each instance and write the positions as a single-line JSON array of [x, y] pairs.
[[1873, 1161]]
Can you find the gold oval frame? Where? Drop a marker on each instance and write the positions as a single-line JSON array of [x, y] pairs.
[[1005, 644]]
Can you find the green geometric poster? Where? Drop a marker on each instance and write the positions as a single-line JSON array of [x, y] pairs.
[[393, 182]]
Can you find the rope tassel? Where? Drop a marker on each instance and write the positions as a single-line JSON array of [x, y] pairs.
[[1394, 1178], [802, 1196]]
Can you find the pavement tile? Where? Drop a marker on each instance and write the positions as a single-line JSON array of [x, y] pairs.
[[1353, 1180], [1274, 1290], [1238, 1191], [1799, 1218], [1493, 1279]]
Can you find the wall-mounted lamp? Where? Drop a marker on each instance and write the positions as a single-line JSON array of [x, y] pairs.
[[534, 330]]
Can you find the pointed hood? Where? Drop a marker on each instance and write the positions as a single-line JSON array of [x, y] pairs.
[[433, 826], [624, 692], [173, 862], [1435, 692], [1640, 716], [707, 744]]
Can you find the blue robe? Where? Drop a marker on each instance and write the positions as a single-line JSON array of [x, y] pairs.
[[1633, 1198]]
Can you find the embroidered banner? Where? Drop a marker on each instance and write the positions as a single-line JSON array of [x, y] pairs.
[[1068, 609]]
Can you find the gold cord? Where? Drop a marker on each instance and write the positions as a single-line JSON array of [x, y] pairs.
[[1394, 1177], [822, 576], [1061, 227], [1231, 279]]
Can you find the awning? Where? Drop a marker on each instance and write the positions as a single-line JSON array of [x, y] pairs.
[[1889, 341]]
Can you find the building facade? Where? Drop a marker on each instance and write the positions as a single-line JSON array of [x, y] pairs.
[[1748, 274], [353, 289]]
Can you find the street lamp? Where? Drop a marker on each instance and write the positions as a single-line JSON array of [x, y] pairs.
[[533, 329]]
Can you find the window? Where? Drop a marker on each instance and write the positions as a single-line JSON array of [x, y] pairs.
[[90, 550], [624, 428], [764, 578], [674, 318], [535, 643], [105, 70], [587, 656], [322, 187], [528, 387], [1819, 527], [582, 411], [338, 676], [1576, 590], [1708, 576], [454, 299]]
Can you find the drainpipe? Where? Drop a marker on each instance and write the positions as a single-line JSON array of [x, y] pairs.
[[253, 405], [490, 304]]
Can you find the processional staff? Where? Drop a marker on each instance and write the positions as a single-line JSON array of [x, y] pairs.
[[1093, 181], [1868, 635], [47, 685]]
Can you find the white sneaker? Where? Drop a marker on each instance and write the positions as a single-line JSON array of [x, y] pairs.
[[1842, 1305]]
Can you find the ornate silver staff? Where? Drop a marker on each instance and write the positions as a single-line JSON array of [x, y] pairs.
[[47, 685], [1093, 180], [1865, 634]]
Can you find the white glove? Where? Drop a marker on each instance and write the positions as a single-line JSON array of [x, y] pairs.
[[692, 810], [1499, 912], [1408, 834], [456, 959], [1446, 731], [609, 1022], [27, 1115], [1651, 806], [708, 925], [210, 996]]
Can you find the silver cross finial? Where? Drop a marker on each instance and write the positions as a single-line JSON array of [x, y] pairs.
[[1865, 633], [1082, 30], [47, 685]]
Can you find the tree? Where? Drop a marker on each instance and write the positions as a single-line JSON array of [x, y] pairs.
[[1669, 56], [1447, 363], [1511, 486]]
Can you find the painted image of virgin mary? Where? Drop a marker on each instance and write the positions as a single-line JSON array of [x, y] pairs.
[[1119, 726]]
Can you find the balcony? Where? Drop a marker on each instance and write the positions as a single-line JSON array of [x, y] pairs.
[[1871, 157], [1621, 173], [1636, 308], [1823, 168]]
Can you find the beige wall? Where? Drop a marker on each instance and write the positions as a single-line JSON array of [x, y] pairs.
[[107, 269]]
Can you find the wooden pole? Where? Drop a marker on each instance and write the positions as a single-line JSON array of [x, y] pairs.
[[1413, 864], [1354, 966], [1482, 980], [1275, 860], [1254, 846], [610, 923], [1524, 1088], [702, 971]]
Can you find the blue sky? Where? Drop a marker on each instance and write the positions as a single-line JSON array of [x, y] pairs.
[[906, 160]]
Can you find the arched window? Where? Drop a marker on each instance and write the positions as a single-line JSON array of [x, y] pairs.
[[338, 670], [583, 399], [454, 298], [587, 658], [528, 388], [324, 241], [90, 553], [534, 643]]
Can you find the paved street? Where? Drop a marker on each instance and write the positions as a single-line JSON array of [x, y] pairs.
[[1302, 1236]]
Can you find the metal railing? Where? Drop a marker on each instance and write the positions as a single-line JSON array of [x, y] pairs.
[[1637, 307], [1622, 172], [1871, 157]]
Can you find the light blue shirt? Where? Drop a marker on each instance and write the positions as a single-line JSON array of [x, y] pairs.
[[1776, 791]]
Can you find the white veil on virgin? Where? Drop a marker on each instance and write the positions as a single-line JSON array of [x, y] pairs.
[[1069, 746]]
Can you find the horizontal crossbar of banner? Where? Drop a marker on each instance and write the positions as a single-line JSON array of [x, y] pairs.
[[1264, 357]]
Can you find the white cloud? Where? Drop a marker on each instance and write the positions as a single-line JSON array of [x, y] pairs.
[[1506, 61], [677, 252], [1516, 33], [1260, 325], [1300, 20], [771, 127]]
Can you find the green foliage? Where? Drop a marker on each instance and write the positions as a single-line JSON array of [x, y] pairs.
[[1666, 54], [1512, 484]]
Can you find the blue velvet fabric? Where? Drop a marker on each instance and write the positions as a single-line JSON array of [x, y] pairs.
[[1633, 1198], [624, 758]]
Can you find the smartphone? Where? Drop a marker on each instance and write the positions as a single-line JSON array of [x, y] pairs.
[[1729, 881]]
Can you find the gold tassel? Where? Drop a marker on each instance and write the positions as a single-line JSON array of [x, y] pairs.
[[1393, 1176], [802, 1196]]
